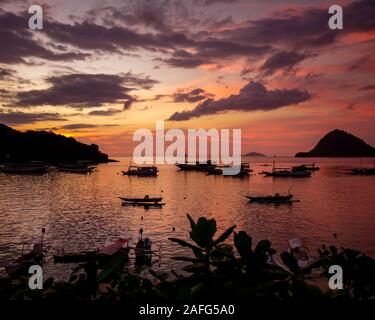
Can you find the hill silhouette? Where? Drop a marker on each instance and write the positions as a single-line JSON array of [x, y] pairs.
[[18, 146], [339, 143]]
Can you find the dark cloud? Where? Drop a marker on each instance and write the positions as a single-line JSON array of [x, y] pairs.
[[367, 88], [77, 126], [18, 43], [284, 60], [212, 51], [85, 90], [108, 112], [305, 29], [210, 2], [252, 97], [18, 118], [193, 95], [5, 73]]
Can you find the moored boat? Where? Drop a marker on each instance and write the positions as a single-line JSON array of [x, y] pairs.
[[363, 171], [196, 166], [276, 198], [141, 171], [21, 265], [306, 167], [102, 255], [145, 199], [33, 167], [74, 168], [287, 173]]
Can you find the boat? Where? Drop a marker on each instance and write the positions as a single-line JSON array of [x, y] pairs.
[[102, 256], [205, 167], [306, 167], [276, 198], [141, 171], [244, 171], [145, 199], [143, 250], [219, 170], [33, 167], [21, 265], [74, 168], [287, 173], [146, 205], [298, 249], [363, 171]]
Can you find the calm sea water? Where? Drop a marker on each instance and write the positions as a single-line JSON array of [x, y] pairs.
[[83, 212]]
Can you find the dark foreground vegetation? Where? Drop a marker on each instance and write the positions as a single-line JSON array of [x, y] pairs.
[[215, 271]]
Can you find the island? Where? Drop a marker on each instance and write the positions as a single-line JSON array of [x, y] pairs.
[[254, 154], [17, 146], [339, 143]]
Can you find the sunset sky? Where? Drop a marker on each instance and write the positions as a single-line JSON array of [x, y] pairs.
[[99, 70]]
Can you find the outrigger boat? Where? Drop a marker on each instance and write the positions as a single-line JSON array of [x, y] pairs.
[[299, 250], [33, 167], [74, 168], [141, 171], [306, 167], [219, 170], [22, 264], [143, 250], [120, 247], [363, 171], [197, 166], [277, 198], [287, 173], [145, 199]]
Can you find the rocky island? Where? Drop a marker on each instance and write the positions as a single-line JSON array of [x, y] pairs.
[[17, 146], [339, 143]]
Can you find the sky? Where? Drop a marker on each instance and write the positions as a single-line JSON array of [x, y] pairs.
[[99, 70]]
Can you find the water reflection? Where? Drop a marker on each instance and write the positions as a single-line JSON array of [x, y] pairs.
[[83, 212]]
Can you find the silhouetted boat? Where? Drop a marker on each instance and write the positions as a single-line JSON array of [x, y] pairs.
[[197, 166], [141, 171], [21, 265], [74, 168], [146, 205], [102, 256], [306, 167], [299, 250], [277, 198], [287, 173], [363, 171], [145, 199], [33, 167], [219, 170]]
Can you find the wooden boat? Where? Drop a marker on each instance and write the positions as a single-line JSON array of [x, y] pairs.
[[363, 171], [33, 167], [277, 198], [197, 166], [145, 199], [74, 168], [299, 250], [287, 173], [306, 167], [219, 170], [141, 171], [21, 265], [144, 204], [102, 256]]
